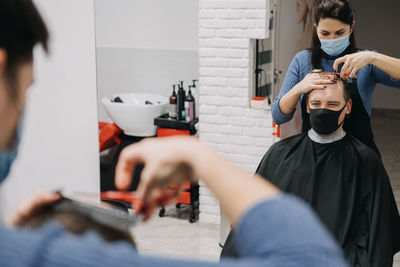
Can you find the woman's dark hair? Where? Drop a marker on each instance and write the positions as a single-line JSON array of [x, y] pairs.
[[21, 28], [334, 9]]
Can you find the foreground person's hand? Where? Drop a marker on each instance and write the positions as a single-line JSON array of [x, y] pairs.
[[32, 205], [167, 167], [177, 160]]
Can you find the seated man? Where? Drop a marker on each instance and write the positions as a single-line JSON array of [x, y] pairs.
[[343, 180]]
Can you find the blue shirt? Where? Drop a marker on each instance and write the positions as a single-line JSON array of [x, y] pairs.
[[301, 65], [282, 231]]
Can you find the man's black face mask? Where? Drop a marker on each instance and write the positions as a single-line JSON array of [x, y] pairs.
[[325, 121]]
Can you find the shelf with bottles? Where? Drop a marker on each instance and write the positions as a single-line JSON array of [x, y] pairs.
[[183, 104], [165, 121]]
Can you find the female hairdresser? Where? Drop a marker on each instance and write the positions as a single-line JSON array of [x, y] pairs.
[[333, 50]]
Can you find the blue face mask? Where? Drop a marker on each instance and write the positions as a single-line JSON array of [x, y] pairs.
[[335, 47], [7, 157]]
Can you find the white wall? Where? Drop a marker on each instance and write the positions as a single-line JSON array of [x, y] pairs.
[[150, 24], [145, 46], [60, 143], [377, 28]]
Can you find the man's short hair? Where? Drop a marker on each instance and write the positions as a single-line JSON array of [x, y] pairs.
[[77, 224], [346, 89], [21, 29]]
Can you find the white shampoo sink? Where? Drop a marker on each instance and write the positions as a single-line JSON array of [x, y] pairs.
[[135, 115]]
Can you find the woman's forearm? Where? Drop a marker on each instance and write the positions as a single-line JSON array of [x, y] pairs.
[[289, 101], [236, 190], [387, 64]]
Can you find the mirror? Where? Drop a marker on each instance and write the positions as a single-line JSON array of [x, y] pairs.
[[142, 48]]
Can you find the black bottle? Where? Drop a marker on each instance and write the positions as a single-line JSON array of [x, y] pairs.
[[181, 102], [190, 106], [195, 93]]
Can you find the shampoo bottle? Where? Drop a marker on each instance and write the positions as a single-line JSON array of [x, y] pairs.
[[195, 94], [181, 102], [190, 105], [172, 104]]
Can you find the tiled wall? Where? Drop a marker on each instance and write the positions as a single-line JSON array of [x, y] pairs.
[[227, 123]]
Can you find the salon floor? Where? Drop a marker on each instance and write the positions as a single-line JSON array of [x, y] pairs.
[[386, 127], [173, 237]]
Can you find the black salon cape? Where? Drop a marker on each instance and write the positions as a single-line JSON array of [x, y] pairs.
[[347, 185]]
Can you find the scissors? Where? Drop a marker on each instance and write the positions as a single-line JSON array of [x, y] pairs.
[[336, 75]]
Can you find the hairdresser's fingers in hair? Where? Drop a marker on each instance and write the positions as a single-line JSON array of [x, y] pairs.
[[338, 62], [311, 86], [128, 159], [353, 73], [323, 81], [318, 87], [28, 207]]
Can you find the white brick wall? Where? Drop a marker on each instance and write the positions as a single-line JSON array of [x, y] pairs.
[[227, 123]]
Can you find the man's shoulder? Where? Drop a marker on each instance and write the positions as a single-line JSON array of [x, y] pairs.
[[364, 152], [288, 143]]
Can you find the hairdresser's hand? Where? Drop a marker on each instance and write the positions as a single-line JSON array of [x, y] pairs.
[[352, 63], [32, 205], [312, 81], [168, 162]]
